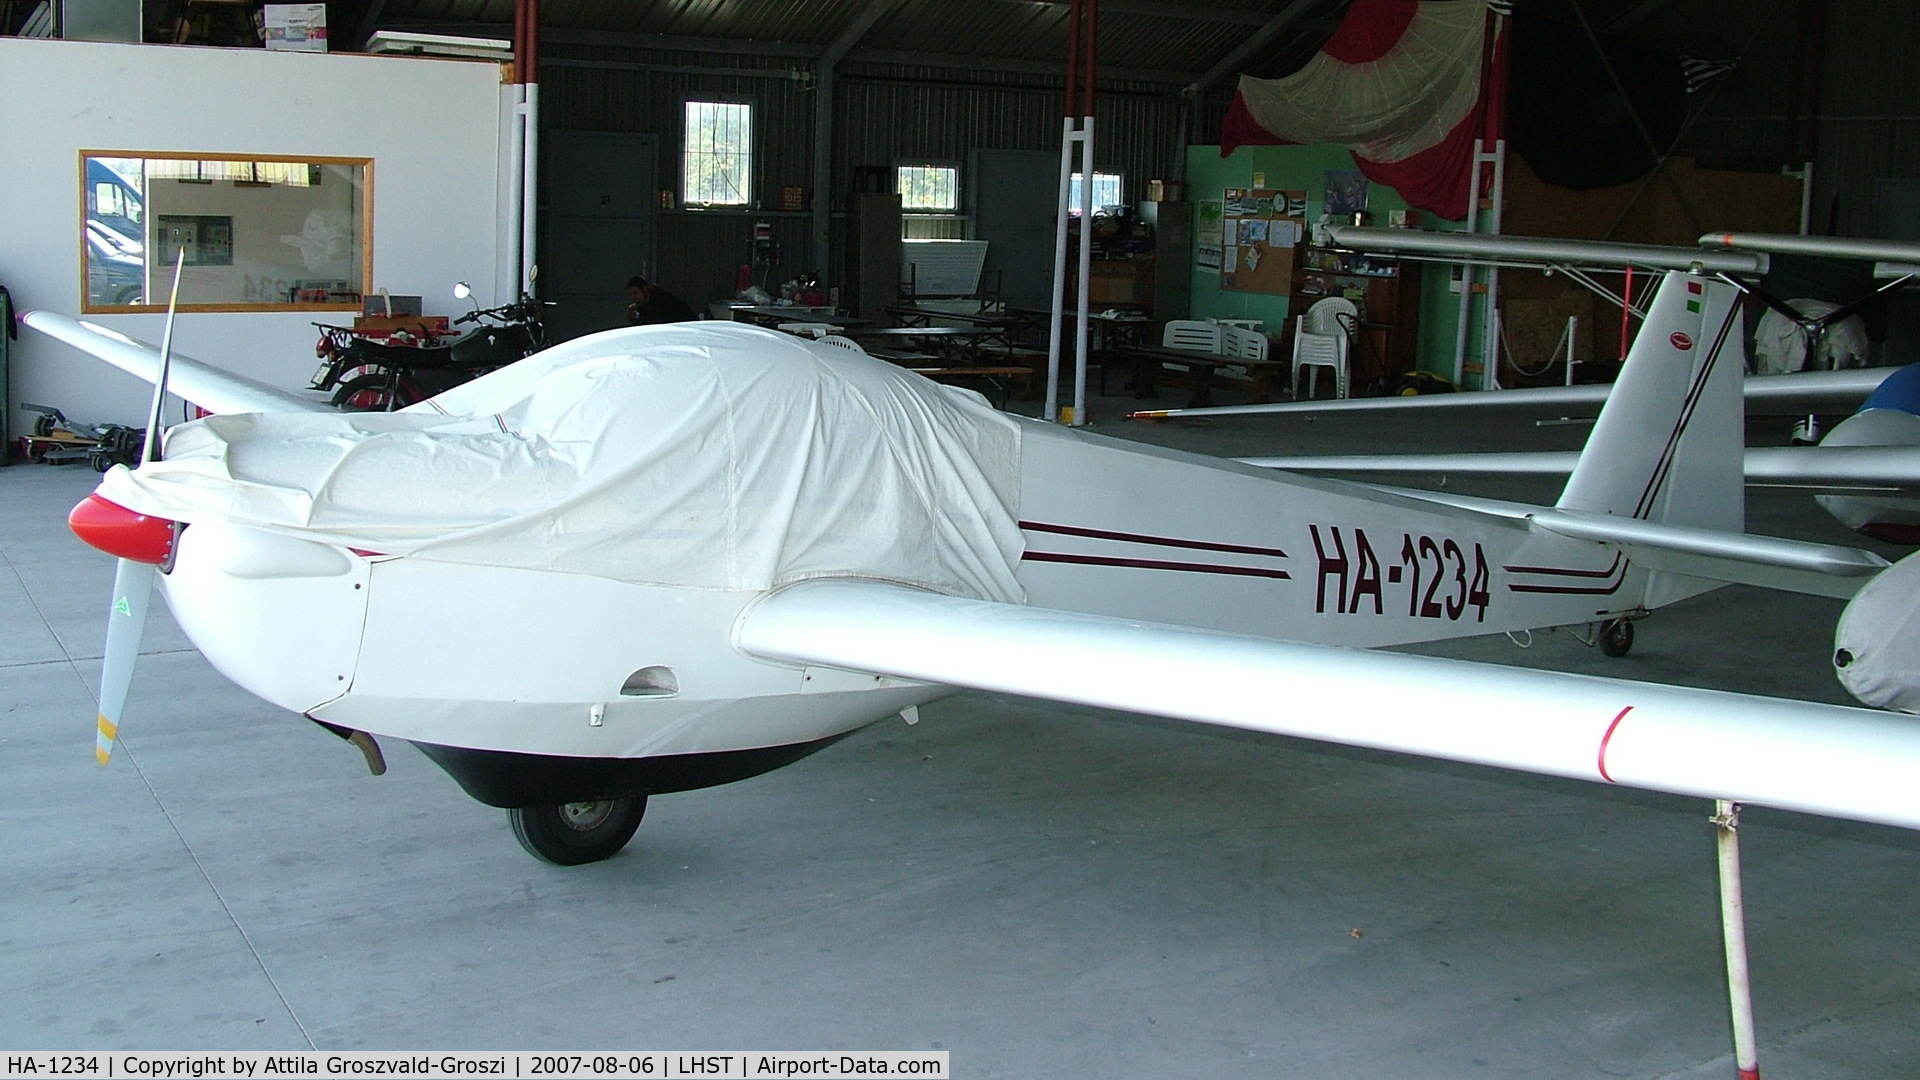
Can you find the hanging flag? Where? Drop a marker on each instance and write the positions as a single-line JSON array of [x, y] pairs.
[[1399, 84]]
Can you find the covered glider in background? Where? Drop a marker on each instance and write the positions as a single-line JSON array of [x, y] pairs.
[[666, 557]]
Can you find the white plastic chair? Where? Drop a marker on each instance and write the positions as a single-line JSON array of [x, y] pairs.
[[1322, 338], [1246, 343], [843, 342], [815, 331], [1193, 335]]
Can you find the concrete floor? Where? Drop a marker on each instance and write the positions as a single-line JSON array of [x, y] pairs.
[[1044, 891]]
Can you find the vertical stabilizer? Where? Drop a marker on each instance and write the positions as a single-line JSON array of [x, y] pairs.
[[1669, 444]]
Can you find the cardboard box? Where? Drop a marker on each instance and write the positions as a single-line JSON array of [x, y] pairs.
[[296, 27]]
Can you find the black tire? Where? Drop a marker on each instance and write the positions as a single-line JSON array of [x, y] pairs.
[[366, 393], [1616, 637], [572, 834]]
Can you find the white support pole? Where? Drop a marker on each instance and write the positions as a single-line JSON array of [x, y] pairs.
[[1733, 927], [1079, 418], [509, 267], [1067, 138], [1490, 348], [1467, 274], [529, 185]]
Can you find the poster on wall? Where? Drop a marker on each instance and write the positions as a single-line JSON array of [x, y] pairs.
[[1207, 235], [1261, 230]]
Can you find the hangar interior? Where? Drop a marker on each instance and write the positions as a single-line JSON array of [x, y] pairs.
[[1038, 888]]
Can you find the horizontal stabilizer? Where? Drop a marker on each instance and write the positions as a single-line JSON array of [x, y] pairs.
[[1822, 759], [1800, 391], [203, 384], [1822, 467]]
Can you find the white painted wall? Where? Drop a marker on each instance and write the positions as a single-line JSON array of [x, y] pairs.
[[432, 127]]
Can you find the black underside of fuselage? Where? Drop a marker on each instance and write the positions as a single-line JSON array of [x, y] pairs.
[[506, 779]]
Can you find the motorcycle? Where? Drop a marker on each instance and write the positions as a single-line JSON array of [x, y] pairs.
[[363, 374]]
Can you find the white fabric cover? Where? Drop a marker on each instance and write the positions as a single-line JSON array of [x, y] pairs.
[[1388, 109], [704, 455], [1879, 634], [1780, 345]]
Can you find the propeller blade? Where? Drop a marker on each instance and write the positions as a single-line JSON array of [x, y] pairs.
[[133, 580], [150, 450], [132, 589]]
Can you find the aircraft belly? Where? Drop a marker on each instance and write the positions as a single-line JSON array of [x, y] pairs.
[[546, 663], [626, 729], [281, 617], [1127, 531]]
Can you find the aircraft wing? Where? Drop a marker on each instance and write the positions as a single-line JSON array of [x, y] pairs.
[[1810, 391], [1826, 468], [203, 384], [1824, 759]]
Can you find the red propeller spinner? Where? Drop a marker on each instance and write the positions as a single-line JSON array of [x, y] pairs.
[[119, 531]]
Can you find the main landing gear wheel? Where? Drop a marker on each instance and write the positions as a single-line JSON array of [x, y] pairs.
[[1616, 637], [575, 833]]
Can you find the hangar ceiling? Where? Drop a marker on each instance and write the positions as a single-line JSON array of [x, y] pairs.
[[1146, 40]]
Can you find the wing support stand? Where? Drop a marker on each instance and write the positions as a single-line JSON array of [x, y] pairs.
[[1081, 28], [1733, 928]]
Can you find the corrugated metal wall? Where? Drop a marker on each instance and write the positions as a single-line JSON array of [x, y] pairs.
[[1868, 124], [884, 116]]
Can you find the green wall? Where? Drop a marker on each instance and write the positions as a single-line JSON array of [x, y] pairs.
[[1305, 168]]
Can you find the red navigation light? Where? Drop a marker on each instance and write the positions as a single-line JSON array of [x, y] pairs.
[[119, 531]]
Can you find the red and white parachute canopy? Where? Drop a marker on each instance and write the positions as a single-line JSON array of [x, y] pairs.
[[1400, 84]]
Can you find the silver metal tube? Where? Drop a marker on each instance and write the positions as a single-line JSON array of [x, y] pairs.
[[1832, 247], [1548, 251]]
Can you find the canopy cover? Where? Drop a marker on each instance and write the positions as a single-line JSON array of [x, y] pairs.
[[701, 455]]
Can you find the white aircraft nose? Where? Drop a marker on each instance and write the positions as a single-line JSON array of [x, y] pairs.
[[1876, 646], [279, 615]]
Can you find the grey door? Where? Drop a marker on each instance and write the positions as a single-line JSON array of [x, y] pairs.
[[1012, 201], [599, 196]]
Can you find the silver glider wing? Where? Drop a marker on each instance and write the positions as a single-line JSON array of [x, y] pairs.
[[1823, 759]]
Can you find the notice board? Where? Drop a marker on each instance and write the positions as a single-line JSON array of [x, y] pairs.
[[1261, 230]]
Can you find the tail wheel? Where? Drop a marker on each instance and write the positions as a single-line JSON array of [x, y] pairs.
[[1616, 637], [572, 834]]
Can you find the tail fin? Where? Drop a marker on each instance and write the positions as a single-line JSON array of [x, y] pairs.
[[1670, 442]]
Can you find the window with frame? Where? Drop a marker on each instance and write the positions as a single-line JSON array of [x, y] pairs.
[[928, 189], [251, 233], [717, 164], [1106, 191]]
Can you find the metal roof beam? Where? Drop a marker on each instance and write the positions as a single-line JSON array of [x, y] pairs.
[[1633, 15], [1007, 66], [1287, 17], [1160, 8]]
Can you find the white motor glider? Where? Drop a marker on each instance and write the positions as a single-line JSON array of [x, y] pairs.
[[666, 557]]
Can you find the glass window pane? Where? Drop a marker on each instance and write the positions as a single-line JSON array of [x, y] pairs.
[[250, 233], [1106, 192], [928, 187], [718, 161]]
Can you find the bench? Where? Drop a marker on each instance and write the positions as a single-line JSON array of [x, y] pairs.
[[1201, 369]]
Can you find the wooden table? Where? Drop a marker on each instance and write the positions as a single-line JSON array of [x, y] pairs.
[[773, 314], [1149, 361]]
